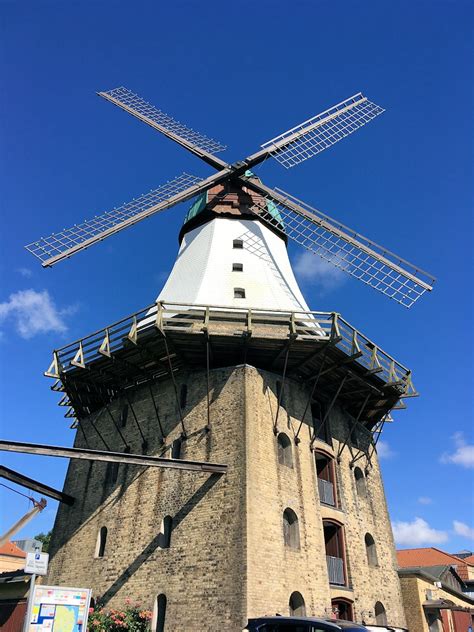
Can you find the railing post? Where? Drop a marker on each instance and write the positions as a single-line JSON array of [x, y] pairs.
[[159, 316], [335, 331]]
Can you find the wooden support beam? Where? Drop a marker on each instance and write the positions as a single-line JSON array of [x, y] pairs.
[[115, 457], [36, 486]]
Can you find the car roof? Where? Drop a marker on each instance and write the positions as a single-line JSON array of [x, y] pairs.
[[262, 620], [351, 625]]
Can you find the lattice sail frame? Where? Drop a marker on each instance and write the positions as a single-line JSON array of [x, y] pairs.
[[138, 105], [111, 221], [349, 251], [322, 131]]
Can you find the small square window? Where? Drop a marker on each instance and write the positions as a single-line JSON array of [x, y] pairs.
[[237, 267], [238, 243], [239, 292]]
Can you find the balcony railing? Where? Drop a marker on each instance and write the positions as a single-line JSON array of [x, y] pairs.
[[326, 492], [335, 570]]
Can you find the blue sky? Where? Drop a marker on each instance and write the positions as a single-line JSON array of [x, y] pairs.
[[243, 73]]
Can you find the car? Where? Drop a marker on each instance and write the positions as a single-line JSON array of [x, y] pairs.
[[301, 624]]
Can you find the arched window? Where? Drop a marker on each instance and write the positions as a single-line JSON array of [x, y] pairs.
[[285, 454], [291, 531], [334, 545], [101, 542], [380, 614], [239, 292], [160, 614], [237, 243], [342, 608], [183, 396], [124, 416], [166, 528], [360, 482], [370, 550], [326, 478], [297, 605], [176, 448]]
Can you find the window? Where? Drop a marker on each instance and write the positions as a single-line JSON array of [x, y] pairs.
[[370, 550], [380, 614], [166, 528], [101, 542], [239, 292], [176, 448], [297, 605], [160, 614], [238, 243], [342, 608], [237, 267], [291, 532], [326, 479], [334, 545], [124, 416], [285, 454], [183, 396], [361, 486]]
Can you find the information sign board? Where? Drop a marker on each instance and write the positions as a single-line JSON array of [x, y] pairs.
[[37, 563], [58, 609]]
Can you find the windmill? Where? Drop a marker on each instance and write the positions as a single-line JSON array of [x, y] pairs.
[[310, 228], [281, 405]]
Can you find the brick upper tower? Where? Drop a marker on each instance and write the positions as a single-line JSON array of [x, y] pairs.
[[230, 367]]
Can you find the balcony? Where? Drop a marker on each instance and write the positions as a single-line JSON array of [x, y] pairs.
[[326, 492], [335, 570]]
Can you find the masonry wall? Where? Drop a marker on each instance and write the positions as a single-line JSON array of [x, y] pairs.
[[276, 571], [227, 559], [202, 573]]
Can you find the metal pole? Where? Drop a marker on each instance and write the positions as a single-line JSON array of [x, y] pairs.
[[208, 385], [316, 432], [311, 394], [170, 371], [29, 608], [281, 390], [351, 428]]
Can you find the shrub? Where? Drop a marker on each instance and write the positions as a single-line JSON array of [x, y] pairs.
[[132, 618]]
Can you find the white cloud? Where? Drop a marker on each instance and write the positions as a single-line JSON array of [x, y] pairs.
[[425, 500], [463, 454], [310, 268], [416, 533], [460, 528], [384, 451], [26, 272], [33, 313]]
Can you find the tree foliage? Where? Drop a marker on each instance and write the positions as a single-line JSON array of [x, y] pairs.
[[45, 539]]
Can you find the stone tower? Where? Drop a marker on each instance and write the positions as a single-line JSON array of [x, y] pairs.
[[230, 368]]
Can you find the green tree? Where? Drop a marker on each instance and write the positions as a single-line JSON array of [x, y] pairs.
[[45, 539]]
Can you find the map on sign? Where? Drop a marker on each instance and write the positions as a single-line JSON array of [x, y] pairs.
[[58, 609]]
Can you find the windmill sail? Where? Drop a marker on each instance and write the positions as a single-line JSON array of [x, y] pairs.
[[197, 143], [322, 131], [67, 242], [347, 250]]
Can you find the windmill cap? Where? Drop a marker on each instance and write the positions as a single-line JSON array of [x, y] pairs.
[[235, 201]]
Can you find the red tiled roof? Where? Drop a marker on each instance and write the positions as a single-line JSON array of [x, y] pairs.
[[12, 549], [431, 556], [469, 560]]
